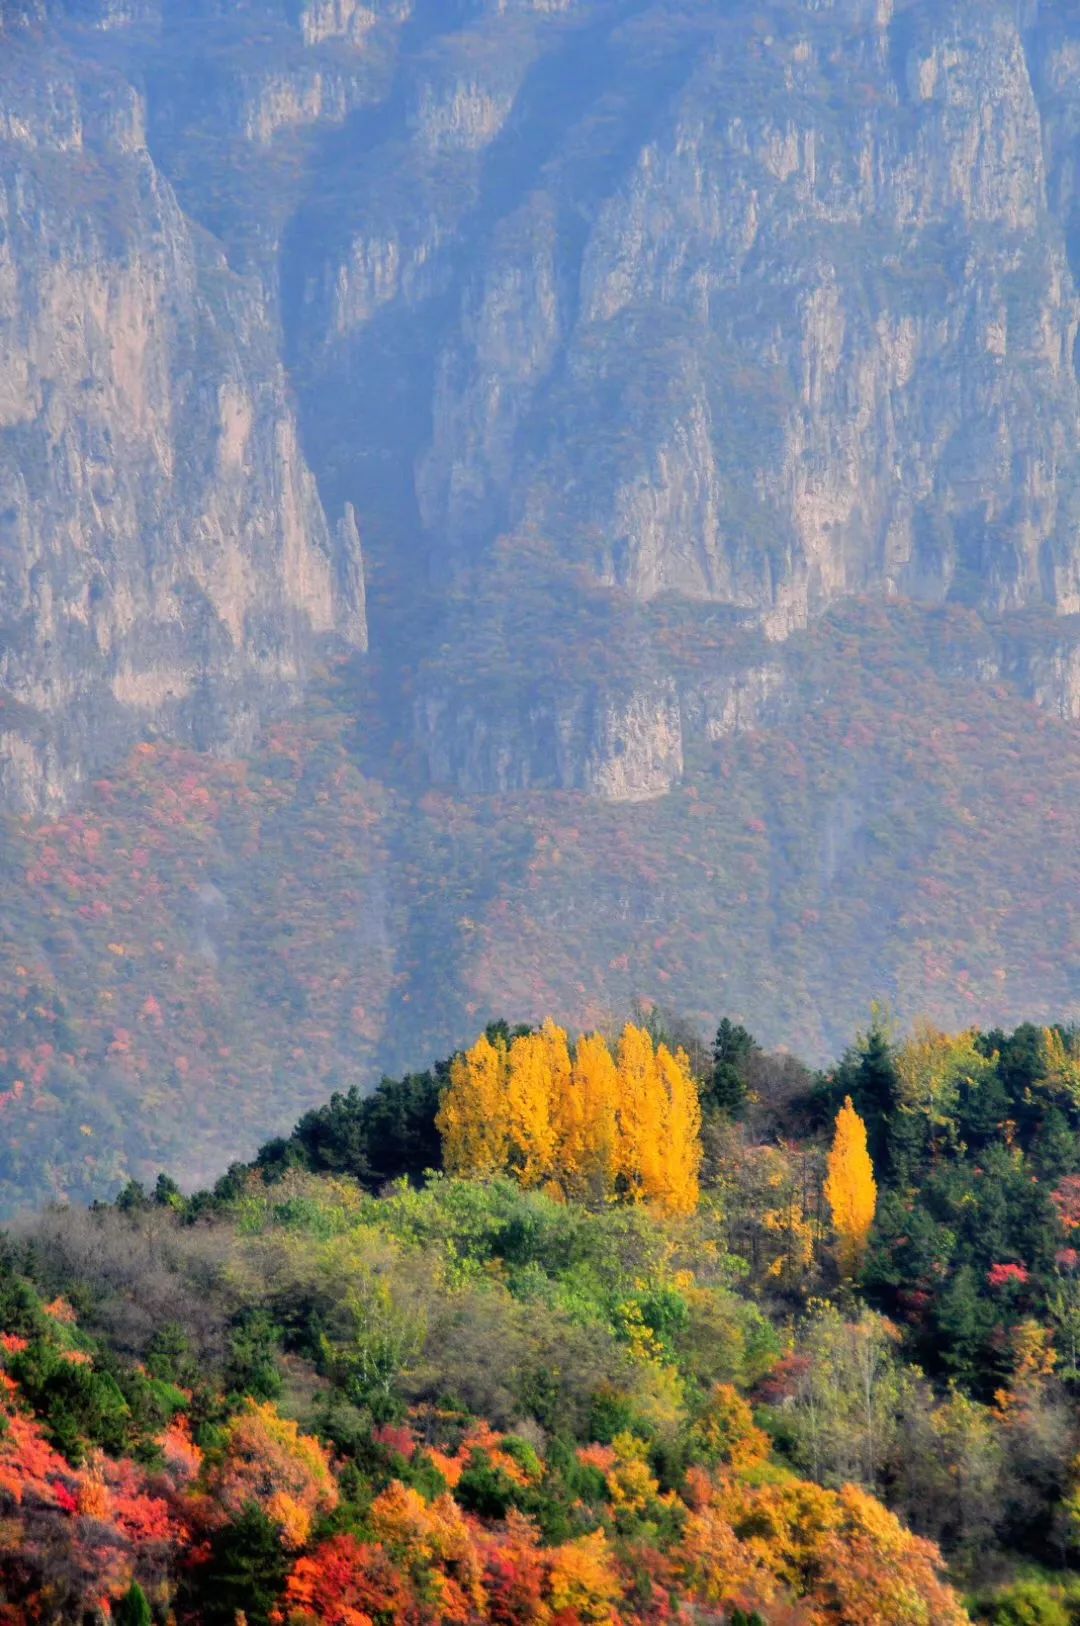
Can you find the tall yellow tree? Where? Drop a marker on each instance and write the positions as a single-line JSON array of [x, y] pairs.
[[472, 1117], [535, 1076], [640, 1148], [681, 1163], [658, 1124], [591, 1126], [588, 1127], [850, 1188]]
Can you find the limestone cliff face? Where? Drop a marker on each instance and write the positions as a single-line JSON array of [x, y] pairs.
[[753, 306], [830, 313], [779, 310], [165, 561], [621, 747]]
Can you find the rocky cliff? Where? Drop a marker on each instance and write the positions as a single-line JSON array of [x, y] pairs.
[[754, 306], [166, 565], [751, 306]]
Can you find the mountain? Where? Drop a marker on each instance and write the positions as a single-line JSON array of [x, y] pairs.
[[594, 483]]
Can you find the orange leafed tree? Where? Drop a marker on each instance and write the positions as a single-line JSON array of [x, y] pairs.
[[850, 1188], [346, 1583], [841, 1553], [269, 1462], [592, 1125]]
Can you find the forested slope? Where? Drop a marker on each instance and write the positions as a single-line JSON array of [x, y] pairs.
[[751, 1347], [661, 421]]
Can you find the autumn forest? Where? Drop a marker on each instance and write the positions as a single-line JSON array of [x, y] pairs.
[[600, 1328]]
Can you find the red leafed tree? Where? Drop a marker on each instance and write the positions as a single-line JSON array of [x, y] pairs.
[[345, 1582], [514, 1574], [1067, 1202]]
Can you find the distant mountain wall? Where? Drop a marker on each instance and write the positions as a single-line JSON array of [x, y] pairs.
[[590, 303]]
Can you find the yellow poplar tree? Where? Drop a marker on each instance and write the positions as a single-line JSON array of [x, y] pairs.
[[558, 1053], [850, 1188], [588, 1130], [658, 1119], [681, 1161], [561, 1069], [533, 1063], [472, 1116], [587, 1125], [640, 1145]]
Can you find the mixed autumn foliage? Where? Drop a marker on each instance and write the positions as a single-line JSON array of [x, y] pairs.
[[831, 1380], [586, 1124], [204, 949]]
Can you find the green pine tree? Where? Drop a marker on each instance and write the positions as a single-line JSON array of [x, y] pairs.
[[245, 1573], [133, 1609], [733, 1049], [962, 1324]]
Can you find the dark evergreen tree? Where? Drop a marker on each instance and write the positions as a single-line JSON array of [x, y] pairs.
[[869, 1076], [908, 1146], [963, 1321], [1022, 1061], [1055, 1150], [133, 1609], [131, 1198], [171, 1355], [402, 1138], [167, 1194], [983, 1109], [245, 1572], [732, 1051], [252, 1365], [375, 1138]]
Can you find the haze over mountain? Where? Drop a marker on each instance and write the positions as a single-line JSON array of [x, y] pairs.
[[693, 385]]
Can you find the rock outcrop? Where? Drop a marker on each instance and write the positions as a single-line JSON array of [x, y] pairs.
[[166, 566], [829, 311], [620, 747]]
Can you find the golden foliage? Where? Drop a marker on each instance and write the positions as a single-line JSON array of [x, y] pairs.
[[588, 1122], [590, 1125], [582, 1580], [726, 1432], [850, 1188], [472, 1117], [932, 1065], [842, 1552], [94, 1501]]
